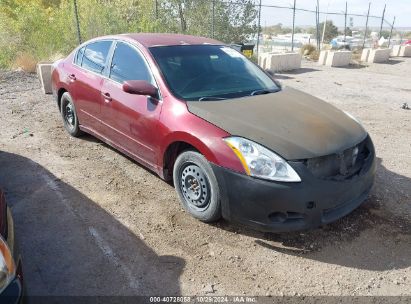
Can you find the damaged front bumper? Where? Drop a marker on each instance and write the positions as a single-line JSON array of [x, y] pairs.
[[278, 206]]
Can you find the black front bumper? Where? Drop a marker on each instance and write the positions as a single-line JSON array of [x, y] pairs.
[[278, 206]]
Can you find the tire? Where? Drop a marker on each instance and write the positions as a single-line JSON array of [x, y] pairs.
[[197, 186], [69, 115]]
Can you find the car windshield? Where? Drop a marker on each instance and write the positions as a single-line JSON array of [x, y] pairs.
[[210, 72]]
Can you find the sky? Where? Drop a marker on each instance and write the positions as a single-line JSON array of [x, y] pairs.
[[401, 9]]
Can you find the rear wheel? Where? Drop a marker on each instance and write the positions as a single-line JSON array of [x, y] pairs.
[[197, 186], [69, 115]]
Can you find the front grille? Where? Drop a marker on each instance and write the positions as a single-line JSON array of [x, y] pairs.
[[342, 165]]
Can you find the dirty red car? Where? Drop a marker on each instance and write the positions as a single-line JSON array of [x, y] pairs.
[[236, 144]]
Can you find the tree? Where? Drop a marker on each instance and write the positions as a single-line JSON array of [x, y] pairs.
[[331, 31], [385, 34], [233, 22]]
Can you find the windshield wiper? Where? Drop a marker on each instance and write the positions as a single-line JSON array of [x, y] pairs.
[[205, 98], [263, 91]]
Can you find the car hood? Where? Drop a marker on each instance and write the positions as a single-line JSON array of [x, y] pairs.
[[291, 123]]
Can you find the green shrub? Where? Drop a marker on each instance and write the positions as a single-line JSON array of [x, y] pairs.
[[43, 28]]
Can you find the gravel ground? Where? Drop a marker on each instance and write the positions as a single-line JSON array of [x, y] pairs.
[[92, 222]]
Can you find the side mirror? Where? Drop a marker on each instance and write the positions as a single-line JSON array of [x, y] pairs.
[[140, 87]]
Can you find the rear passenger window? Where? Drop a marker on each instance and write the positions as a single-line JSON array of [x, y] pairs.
[[79, 56], [128, 64], [95, 56]]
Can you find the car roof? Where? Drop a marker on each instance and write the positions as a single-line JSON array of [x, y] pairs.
[[159, 39]]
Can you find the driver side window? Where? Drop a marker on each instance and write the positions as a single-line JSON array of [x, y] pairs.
[[128, 64]]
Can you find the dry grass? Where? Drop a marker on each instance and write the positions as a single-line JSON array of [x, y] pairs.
[[315, 55], [310, 52], [356, 55], [26, 62], [56, 57], [307, 49]]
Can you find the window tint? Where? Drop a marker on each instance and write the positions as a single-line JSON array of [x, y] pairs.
[[95, 56], [128, 64], [79, 56]]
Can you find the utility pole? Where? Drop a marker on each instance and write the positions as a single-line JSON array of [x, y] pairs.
[[156, 9], [213, 19], [382, 19], [258, 28], [392, 27], [318, 24], [325, 23], [366, 25], [316, 27], [345, 22], [77, 21], [292, 35]]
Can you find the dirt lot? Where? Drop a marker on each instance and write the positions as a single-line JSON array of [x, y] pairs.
[[90, 221]]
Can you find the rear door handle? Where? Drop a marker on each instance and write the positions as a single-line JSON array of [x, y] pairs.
[[106, 96], [72, 77]]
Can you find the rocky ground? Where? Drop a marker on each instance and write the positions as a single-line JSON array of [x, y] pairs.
[[91, 221]]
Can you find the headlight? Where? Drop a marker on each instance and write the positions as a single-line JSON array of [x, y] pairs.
[[7, 267], [261, 162]]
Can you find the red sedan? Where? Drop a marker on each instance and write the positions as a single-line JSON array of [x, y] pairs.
[[235, 143]]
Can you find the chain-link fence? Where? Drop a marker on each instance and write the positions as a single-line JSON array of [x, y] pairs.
[[358, 30], [323, 25]]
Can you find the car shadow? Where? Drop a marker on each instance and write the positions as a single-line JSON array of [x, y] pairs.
[[392, 61], [71, 246], [370, 238], [300, 71], [282, 77], [352, 66], [286, 74], [90, 138]]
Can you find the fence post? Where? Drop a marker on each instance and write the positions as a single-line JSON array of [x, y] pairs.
[[345, 22], [382, 19], [77, 21], [258, 28], [366, 25], [392, 27], [213, 19], [292, 35]]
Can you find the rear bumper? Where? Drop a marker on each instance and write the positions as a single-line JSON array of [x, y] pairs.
[[279, 207]]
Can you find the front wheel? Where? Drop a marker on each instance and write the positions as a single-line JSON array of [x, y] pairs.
[[197, 186], [69, 115]]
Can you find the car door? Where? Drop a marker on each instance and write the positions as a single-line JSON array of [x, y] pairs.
[[130, 120], [86, 80]]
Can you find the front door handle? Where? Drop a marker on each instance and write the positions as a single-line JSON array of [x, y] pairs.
[[72, 77], [107, 97]]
